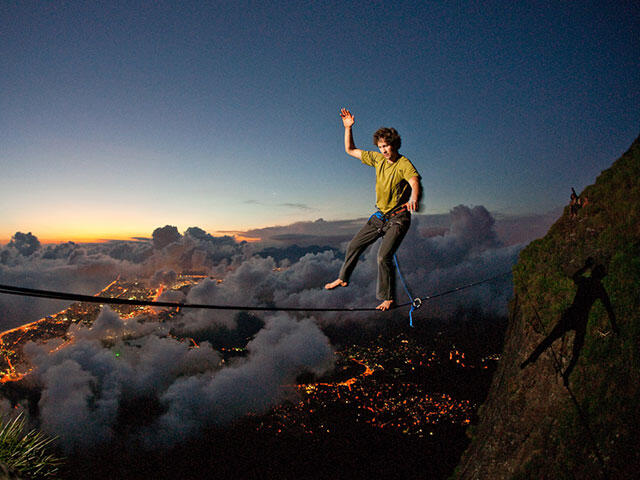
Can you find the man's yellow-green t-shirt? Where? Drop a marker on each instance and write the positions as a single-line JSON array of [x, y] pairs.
[[392, 179]]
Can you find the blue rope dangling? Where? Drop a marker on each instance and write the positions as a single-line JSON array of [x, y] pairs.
[[415, 302]]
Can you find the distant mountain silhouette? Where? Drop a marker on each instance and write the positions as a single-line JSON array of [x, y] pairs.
[[293, 253]]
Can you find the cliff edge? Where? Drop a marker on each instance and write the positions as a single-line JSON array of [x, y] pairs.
[[534, 423]]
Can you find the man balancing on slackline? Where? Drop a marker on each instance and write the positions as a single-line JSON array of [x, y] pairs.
[[397, 194]]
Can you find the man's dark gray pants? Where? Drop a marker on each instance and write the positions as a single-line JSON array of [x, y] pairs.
[[392, 233]]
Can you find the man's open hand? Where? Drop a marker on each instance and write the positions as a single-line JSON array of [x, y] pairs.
[[347, 118]]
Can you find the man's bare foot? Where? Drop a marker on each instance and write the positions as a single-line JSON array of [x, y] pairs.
[[336, 283], [386, 305]]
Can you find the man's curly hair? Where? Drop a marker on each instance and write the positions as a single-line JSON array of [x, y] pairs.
[[389, 135]]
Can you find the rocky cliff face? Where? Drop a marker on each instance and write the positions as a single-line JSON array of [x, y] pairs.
[[532, 425]]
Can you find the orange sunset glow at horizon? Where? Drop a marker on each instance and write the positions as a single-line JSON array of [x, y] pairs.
[[108, 237]]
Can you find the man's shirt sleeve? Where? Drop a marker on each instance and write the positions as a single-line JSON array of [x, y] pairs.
[[368, 158], [409, 171]]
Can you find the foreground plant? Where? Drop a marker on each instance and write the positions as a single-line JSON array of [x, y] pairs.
[[26, 453]]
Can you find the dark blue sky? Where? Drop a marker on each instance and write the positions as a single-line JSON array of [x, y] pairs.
[[118, 117]]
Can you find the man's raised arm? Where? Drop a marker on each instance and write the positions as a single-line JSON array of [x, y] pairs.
[[349, 146]]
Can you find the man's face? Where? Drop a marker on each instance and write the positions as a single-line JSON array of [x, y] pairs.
[[385, 149]]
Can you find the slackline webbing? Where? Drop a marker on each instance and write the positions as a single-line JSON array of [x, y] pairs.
[[54, 295]]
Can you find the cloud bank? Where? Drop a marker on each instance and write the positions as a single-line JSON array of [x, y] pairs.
[[433, 259], [118, 366], [439, 252], [87, 384]]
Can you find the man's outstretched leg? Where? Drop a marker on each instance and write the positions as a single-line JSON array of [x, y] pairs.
[[365, 237]]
